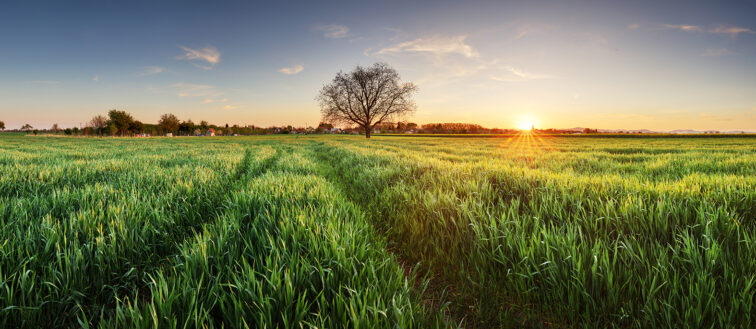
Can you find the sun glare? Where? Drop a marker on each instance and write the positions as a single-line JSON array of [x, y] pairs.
[[525, 123]]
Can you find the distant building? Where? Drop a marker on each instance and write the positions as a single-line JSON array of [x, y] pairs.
[[169, 135]]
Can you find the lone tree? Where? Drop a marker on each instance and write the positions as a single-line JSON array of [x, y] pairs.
[[366, 96], [2, 125]]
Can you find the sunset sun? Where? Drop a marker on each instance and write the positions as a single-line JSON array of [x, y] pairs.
[[525, 123]]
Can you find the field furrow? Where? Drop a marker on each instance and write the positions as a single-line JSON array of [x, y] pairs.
[[390, 232]]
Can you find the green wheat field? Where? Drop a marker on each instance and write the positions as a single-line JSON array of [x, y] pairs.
[[393, 232]]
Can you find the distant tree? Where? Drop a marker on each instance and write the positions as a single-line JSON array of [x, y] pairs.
[[98, 123], [203, 125], [26, 127], [2, 125], [136, 127], [186, 127], [113, 129], [122, 120], [35, 131], [169, 123], [366, 97], [68, 131], [325, 126], [55, 128]]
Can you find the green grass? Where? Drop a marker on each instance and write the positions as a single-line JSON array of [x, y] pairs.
[[337, 231]]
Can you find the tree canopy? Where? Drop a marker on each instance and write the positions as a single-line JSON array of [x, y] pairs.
[[98, 123], [366, 96], [169, 123], [122, 120]]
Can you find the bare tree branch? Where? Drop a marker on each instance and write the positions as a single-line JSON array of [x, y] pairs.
[[366, 96]]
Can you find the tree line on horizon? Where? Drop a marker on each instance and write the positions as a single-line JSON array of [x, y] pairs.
[[121, 123]]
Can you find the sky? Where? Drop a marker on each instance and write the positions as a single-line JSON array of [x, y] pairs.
[[659, 65]]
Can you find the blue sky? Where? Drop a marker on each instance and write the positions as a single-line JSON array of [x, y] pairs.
[[670, 65]]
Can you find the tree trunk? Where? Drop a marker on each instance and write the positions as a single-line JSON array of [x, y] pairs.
[[367, 132]]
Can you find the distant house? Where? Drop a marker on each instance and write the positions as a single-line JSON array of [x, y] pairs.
[[169, 135], [210, 132]]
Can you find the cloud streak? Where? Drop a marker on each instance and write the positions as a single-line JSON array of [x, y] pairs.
[[209, 55], [433, 45], [152, 70], [732, 31], [453, 59], [194, 90], [291, 70], [211, 100], [333, 31], [686, 28], [514, 74]]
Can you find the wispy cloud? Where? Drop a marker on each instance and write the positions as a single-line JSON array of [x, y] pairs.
[[333, 31], [732, 31], [291, 70], [96, 78], [152, 70], [686, 28], [229, 107], [634, 26], [43, 82], [454, 59], [433, 45], [513, 74], [209, 55], [211, 100], [194, 90], [525, 29], [710, 52]]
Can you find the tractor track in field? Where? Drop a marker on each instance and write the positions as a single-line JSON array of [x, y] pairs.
[[243, 172], [436, 294]]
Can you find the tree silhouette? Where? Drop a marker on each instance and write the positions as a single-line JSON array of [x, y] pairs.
[[366, 96]]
